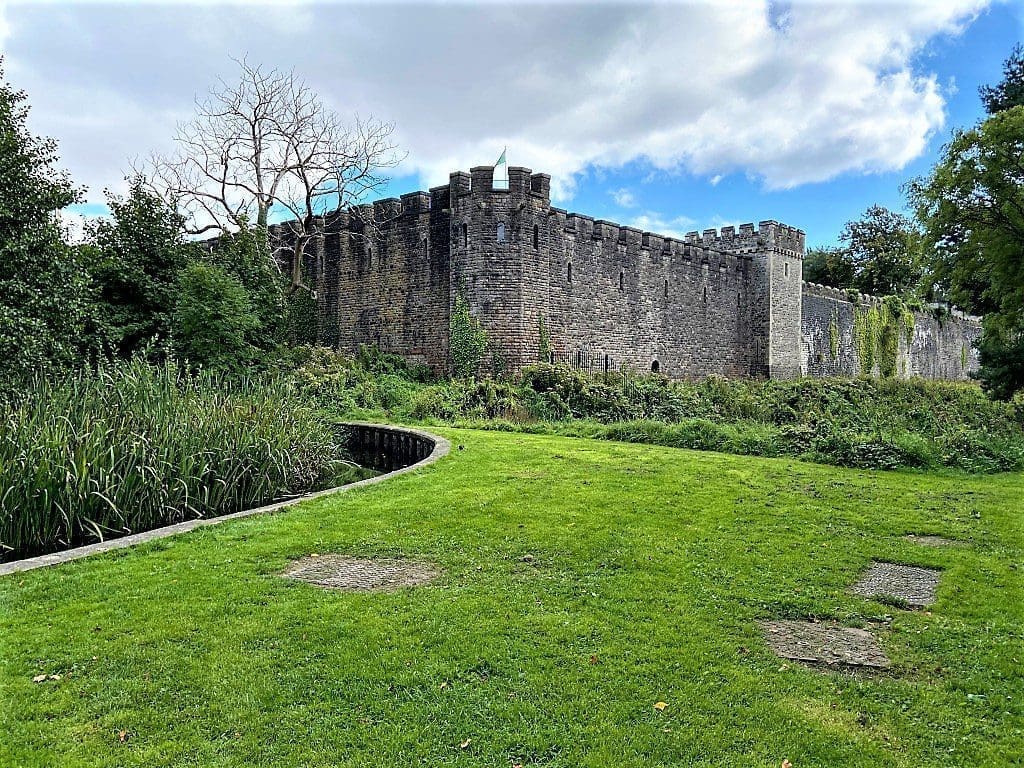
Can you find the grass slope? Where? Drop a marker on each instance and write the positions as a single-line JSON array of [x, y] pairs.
[[584, 581]]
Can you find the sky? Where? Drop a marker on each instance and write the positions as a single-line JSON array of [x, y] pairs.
[[670, 117]]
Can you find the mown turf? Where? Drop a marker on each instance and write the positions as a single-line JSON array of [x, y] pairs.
[[583, 582]]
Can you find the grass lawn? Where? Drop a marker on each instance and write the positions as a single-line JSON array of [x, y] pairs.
[[583, 582]]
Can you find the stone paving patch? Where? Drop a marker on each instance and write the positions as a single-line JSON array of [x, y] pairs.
[[928, 540], [360, 574], [828, 644], [909, 584]]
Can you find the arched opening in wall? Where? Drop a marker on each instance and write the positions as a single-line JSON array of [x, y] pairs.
[[666, 289], [536, 237], [785, 269], [655, 366], [622, 280], [465, 235], [568, 273], [500, 232]]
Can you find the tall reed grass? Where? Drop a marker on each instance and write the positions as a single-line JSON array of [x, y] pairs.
[[135, 447]]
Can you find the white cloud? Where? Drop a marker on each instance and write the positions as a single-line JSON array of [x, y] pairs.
[[651, 221], [624, 198], [821, 90]]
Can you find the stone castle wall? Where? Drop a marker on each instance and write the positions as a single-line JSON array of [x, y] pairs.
[[941, 347], [729, 302]]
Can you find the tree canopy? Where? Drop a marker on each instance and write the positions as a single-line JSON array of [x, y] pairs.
[[42, 283], [1009, 92]]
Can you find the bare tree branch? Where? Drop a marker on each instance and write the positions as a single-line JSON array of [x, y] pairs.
[[267, 144]]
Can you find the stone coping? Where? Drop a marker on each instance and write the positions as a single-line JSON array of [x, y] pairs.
[[441, 449]]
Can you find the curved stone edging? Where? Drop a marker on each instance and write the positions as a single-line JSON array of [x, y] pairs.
[[406, 436]]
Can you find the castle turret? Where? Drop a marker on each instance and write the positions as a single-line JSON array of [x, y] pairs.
[[776, 275], [498, 257]]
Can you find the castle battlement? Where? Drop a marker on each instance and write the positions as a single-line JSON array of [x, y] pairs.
[[726, 301]]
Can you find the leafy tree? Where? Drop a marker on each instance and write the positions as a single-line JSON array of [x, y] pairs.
[[886, 251], [1009, 92], [829, 266], [212, 318], [244, 255], [42, 283], [138, 254], [972, 207]]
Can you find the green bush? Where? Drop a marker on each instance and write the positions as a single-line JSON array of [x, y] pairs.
[[136, 447]]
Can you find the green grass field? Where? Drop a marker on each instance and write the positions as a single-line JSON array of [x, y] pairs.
[[584, 581]]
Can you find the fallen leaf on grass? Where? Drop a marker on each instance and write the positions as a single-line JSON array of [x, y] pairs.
[[465, 744], [122, 736], [660, 706]]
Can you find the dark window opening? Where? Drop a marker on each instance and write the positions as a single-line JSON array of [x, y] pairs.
[[426, 249], [622, 281], [501, 232], [785, 269], [536, 237], [606, 365], [568, 274], [666, 289], [705, 294], [737, 299], [465, 236], [655, 367]]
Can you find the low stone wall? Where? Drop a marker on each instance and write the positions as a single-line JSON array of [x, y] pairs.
[[386, 448]]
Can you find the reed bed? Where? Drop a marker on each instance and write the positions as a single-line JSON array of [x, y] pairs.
[[136, 447]]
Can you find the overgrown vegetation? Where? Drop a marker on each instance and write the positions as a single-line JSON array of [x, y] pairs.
[[849, 422], [138, 446]]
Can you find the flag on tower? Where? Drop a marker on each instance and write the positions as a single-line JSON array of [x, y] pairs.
[[500, 178]]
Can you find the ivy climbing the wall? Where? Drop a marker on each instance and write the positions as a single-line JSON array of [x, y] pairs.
[[833, 334], [545, 341], [467, 340], [876, 333]]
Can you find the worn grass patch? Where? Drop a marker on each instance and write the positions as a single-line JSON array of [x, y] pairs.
[[582, 582]]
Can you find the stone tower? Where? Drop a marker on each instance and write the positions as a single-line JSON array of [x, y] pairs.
[[498, 256]]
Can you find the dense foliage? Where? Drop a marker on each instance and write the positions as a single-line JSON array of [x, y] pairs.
[[42, 283], [851, 422], [139, 446], [973, 208]]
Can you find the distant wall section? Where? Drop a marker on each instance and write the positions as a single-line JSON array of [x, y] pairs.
[[938, 347]]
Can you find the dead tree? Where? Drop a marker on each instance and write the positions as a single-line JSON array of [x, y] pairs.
[[267, 145]]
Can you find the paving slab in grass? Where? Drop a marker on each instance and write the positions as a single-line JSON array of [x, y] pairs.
[[825, 644], [360, 574], [928, 540], [910, 584]]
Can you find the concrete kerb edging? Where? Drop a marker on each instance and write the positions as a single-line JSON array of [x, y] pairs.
[[441, 449]]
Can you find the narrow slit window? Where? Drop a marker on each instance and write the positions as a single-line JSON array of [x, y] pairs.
[[622, 281], [785, 269], [568, 273], [666, 289], [426, 249], [500, 233], [705, 294], [536, 237], [465, 235]]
